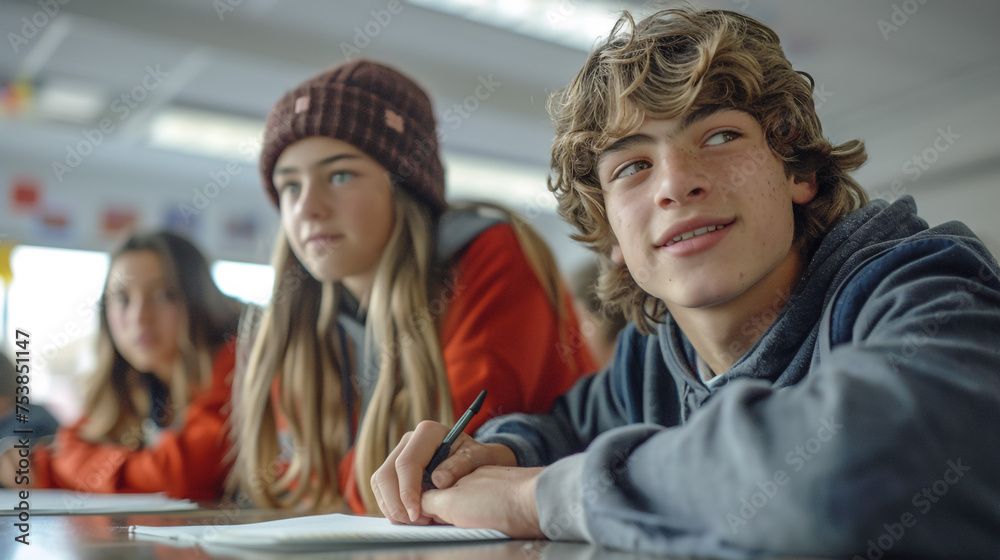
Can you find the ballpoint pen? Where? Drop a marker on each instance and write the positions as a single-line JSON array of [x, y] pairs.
[[444, 449]]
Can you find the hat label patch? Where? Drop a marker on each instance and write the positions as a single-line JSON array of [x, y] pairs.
[[393, 121], [302, 104]]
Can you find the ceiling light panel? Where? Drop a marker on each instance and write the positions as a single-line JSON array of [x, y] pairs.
[[575, 24]]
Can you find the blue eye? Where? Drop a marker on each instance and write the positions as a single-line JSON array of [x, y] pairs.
[[341, 177], [289, 188], [633, 168]]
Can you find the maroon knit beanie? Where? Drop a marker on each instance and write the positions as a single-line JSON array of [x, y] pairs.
[[372, 107]]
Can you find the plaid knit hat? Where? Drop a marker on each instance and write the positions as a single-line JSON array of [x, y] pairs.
[[372, 107]]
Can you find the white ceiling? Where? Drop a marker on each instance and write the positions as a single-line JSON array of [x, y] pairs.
[[939, 69]]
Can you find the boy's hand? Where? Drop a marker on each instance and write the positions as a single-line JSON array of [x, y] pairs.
[[396, 483], [501, 498]]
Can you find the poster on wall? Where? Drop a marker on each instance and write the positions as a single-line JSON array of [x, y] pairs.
[[53, 225], [116, 222], [16, 97], [175, 220], [25, 195], [240, 232]]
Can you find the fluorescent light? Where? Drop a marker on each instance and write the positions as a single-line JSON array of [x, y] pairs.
[[251, 283], [571, 23], [207, 133], [519, 187], [515, 8], [71, 100]]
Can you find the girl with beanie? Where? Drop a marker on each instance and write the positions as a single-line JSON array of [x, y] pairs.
[[389, 307]]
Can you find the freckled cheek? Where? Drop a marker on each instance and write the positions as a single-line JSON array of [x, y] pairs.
[[613, 212], [618, 221]]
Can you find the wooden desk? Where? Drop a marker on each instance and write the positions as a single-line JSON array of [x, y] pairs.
[[105, 537]]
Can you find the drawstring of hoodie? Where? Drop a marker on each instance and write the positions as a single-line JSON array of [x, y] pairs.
[[685, 404]]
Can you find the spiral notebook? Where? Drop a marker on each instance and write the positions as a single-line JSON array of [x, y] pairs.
[[315, 531]]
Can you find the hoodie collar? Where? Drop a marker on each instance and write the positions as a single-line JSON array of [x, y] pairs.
[[790, 339]]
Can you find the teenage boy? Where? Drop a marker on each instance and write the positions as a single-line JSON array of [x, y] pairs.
[[805, 373]]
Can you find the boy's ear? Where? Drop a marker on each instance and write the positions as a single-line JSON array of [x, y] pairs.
[[804, 189]]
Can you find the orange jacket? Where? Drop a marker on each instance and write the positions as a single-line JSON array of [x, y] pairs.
[[185, 463], [499, 333]]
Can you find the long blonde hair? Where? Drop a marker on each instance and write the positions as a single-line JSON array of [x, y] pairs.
[[115, 400], [296, 344]]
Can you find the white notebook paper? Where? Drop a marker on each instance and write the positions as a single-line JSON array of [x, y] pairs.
[[315, 531], [42, 501]]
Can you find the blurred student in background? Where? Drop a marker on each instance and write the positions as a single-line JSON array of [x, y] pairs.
[[599, 323], [388, 307], [39, 420], [155, 408]]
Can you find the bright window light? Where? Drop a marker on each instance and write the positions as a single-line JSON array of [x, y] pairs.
[[54, 297], [248, 282]]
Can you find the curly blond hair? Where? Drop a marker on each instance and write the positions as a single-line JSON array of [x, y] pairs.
[[664, 66]]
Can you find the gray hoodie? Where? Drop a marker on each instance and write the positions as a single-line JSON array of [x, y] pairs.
[[864, 423]]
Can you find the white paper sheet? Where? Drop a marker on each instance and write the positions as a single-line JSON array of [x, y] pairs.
[[43, 501], [315, 531]]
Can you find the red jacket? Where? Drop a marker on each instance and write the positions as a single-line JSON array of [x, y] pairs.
[[185, 463], [499, 333]]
